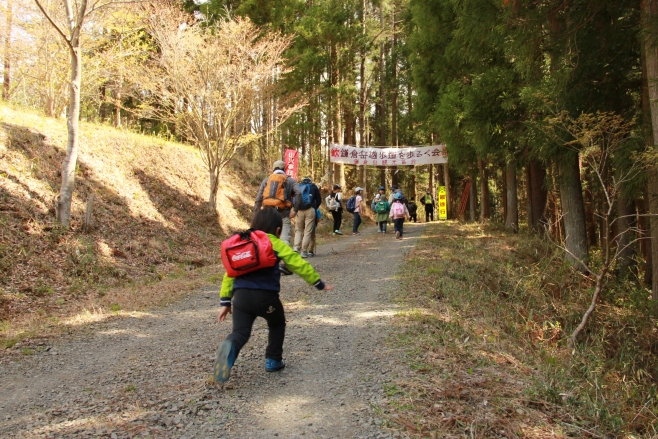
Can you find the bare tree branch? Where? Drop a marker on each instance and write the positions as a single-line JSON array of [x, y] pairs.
[[53, 24]]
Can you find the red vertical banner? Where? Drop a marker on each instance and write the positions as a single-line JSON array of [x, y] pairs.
[[291, 159]]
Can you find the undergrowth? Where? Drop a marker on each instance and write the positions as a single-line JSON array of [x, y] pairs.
[[485, 332]]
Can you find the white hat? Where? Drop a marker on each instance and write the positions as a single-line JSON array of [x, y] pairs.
[[378, 196], [358, 189]]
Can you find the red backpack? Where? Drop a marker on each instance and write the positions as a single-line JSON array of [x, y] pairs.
[[247, 251]]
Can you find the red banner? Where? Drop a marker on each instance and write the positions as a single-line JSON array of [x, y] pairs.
[[291, 159]]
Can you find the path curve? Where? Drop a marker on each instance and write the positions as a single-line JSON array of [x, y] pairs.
[[146, 375]]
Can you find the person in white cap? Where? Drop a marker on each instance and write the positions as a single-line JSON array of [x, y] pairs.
[[277, 191], [357, 210]]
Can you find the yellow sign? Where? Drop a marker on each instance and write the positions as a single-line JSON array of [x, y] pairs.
[[443, 205]]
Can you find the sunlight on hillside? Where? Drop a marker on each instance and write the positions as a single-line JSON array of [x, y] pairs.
[[151, 220]]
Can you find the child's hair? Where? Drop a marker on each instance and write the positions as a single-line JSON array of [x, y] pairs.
[[267, 220]]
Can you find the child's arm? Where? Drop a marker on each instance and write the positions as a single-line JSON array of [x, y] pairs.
[[225, 296], [297, 264]]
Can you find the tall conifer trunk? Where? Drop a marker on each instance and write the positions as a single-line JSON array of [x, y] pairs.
[[381, 105], [485, 211], [539, 192], [512, 210], [573, 210], [649, 16], [473, 200], [626, 221]]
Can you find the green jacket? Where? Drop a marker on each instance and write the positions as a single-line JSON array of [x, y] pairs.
[[270, 278]]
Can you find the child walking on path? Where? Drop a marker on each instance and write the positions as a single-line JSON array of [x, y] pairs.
[[256, 294], [398, 213], [381, 212]]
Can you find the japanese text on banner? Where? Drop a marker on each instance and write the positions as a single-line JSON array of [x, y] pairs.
[[443, 206], [408, 156], [291, 159]]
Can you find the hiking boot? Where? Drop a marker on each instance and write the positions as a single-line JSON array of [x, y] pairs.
[[285, 270], [295, 249], [397, 235], [338, 232], [310, 254], [304, 254], [224, 361], [274, 365]]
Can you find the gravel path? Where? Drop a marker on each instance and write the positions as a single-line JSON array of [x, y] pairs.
[[147, 375]]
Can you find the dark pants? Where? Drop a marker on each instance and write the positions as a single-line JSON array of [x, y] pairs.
[[429, 212], [413, 216], [338, 218], [249, 304], [399, 224], [357, 222], [382, 226]]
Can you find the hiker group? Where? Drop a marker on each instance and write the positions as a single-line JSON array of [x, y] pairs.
[[256, 258]]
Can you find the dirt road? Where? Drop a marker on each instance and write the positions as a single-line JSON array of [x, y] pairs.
[[145, 375]]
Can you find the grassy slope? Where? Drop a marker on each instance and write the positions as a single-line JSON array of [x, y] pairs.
[[151, 223], [485, 329]]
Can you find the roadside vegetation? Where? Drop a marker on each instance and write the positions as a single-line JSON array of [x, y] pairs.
[[151, 238], [485, 327]]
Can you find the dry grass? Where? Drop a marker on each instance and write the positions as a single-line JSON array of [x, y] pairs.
[[488, 313], [151, 222]]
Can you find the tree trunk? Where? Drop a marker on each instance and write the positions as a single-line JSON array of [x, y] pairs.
[[504, 192], [650, 14], [512, 218], [117, 103], [644, 231], [362, 95], [590, 221], [395, 91], [214, 187], [626, 222], [65, 197], [485, 208], [536, 193], [573, 210], [473, 201], [412, 190], [6, 90]]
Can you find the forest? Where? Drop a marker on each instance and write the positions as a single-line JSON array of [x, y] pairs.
[[548, 109], [545, 107]]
